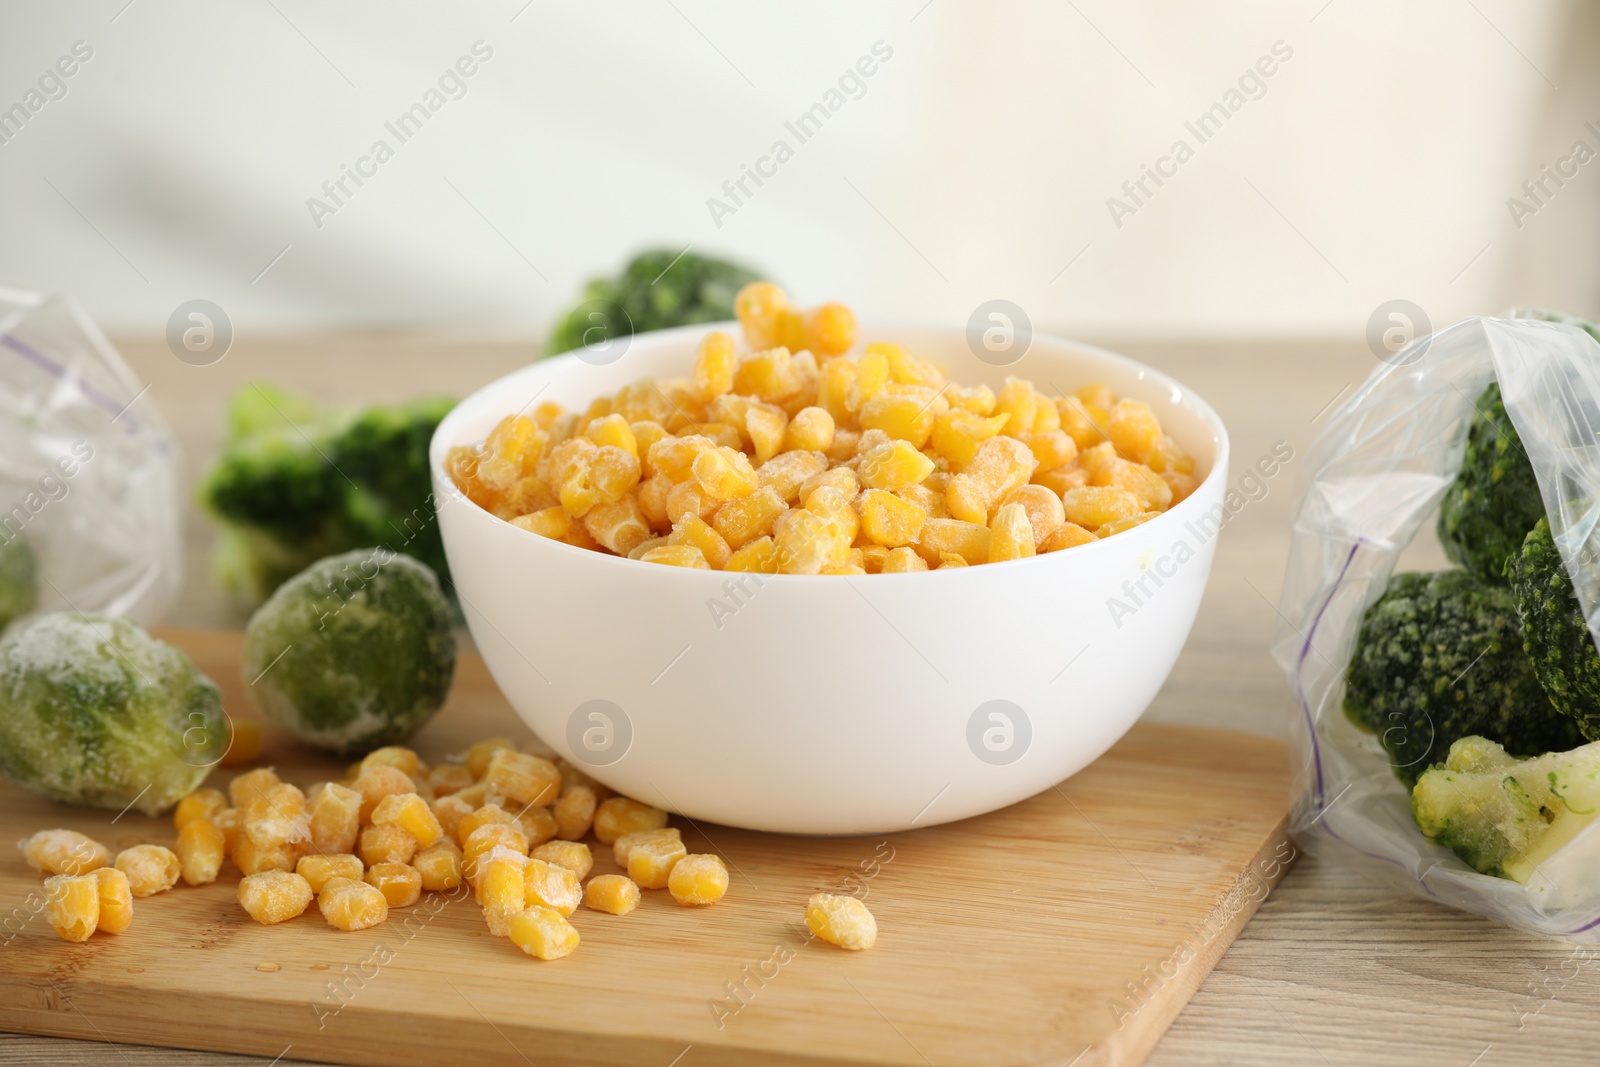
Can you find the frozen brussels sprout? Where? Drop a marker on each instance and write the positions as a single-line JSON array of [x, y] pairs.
[[95, 711], [19, 583], [354, 652]]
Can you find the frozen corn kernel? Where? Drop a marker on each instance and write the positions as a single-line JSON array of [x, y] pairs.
[[614, 894], [573, 855], [765, 425], [400, 883], [348, 904], [379, 782], [231, 822], [542, 933], [318, 871], [1067, 535], [811, 430], [440, 866], [1010, 535], [1117, 526], [903, 561], [623, 846], [201, 848], [1051, 450], [449, 778], [335, 819], [830, 329], [807, 543], [620, 815], [399, 757], [574, 812], [1044, 509], [64, 852], [150, 869], [485, 839], [1151, 490], [725, 474], [252, 858], [551, 886], [770, 375], [758, 557], [1180, 484], [251, 784], [893, 465], [116, 900], [274, 896], [950, 559], [538, 825], [840, 920], [1134, 429], [757, 307], [1168, 458], [969, 540], [650, 863], [500, 886], [479, 754], [614, 430], [888, 520], [450, 810], [200, 804], [483, 816], [523, 778], [692, 530], [1093, 506], [278, 817], [957, 434], [385, 844], [410, 813], [698, 880], [714, 365], [677, 556], [73, 904], [246, 739]]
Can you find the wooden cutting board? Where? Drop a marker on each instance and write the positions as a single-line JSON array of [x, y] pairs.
[[1069, 929]]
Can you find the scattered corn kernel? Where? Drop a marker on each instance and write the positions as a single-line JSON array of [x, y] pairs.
[[620, 815], [551, 886], [650, 863], [542, 933], [64, 852], [614, 894], [274, 896], [318, 871], [201, 849], [150, 869], [116, 899], [841, 920], [410, 813], [440, 866], [400, 883], [573, 855], [698, 880], [386, 844], [200, 804], [73, 905], [351, 905]]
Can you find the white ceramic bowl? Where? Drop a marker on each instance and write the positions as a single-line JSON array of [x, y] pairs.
[[829, 704]]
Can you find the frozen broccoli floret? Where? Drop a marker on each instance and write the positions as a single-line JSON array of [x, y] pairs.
[[1494, 501], [1503, 816], [355, 652], [1438, 658], [1554, 633], [95, 711], [656, 290], [19, 580], [295, 484]]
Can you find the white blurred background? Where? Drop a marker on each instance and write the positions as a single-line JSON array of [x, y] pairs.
[[977, 162]]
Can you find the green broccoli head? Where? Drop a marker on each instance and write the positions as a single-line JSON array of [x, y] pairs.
[[1438, 658], [355, 652], [19, 578], [1494, 501], [95, 711], [656, 290], [294, 484], [1554, 633], [1503, 816]]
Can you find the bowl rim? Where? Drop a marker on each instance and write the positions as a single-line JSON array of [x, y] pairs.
[[439, 448]]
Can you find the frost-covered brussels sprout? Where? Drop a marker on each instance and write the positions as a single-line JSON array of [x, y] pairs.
[[95, 711], [19, 583], [354, 652]]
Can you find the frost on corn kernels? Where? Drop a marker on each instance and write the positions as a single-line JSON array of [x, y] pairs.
[[95, 711]]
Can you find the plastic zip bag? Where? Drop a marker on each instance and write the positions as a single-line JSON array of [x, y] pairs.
[[89, 472], [1373, 475]]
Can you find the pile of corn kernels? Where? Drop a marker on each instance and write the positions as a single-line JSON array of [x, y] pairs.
[[507, 823], [795, 458]]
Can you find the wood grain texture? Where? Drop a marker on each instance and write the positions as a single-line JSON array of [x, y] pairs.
[[1072, 925]]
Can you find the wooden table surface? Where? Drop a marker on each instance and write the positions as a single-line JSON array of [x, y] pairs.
[[1331, 971]]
